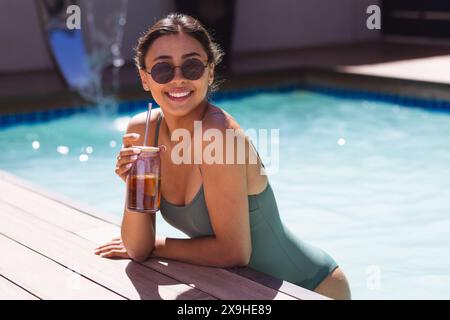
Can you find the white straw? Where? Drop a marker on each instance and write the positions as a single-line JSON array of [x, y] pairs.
[[147, 123]]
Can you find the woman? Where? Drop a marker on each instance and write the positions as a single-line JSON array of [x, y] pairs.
[[228, 210]]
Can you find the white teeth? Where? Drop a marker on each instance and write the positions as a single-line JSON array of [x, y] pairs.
[[179, 95]]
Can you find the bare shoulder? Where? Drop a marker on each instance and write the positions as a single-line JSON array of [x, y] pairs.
[[247, 168], [138, 121], [219, 119]]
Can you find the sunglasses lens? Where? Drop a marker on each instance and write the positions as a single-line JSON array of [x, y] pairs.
[[162, 72], [193, 69]]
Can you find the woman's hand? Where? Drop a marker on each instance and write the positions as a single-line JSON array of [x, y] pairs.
[[116, 249], [127, 155], [113, 249]]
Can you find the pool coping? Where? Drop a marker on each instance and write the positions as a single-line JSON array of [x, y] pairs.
[[284, 288], [328, 87]]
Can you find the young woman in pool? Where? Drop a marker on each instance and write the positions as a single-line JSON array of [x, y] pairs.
[[228, 210]]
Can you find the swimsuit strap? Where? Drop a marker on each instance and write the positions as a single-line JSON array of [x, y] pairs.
[[257, 153]]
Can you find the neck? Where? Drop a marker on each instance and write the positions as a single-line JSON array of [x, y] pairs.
[[186, 121]]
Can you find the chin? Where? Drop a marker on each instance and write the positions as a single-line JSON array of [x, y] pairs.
[[180, 109]]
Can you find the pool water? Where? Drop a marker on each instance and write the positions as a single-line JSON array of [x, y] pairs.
[[369, 182]]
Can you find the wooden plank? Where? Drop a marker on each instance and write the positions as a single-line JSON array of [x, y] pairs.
[[100, 232], [277, 284], [101, 235], [46, 209], [11, 291], [124, 277], [218, 282], [45, 278], [56, 197]]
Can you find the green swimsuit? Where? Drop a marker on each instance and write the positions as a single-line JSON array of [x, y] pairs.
[[275, 250]]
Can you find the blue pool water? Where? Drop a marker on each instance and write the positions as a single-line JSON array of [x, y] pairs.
[[369, 182]]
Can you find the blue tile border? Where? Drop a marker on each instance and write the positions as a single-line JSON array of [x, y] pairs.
[[435, 105]]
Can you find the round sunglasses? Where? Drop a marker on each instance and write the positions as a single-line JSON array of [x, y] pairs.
[[164, 72]]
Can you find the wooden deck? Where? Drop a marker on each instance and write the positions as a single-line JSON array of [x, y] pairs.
[[47, 244]]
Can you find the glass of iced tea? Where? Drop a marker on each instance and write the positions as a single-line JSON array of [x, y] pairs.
[[144, 181]]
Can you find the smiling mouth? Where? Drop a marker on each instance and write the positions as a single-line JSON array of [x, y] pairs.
[[179, 96]]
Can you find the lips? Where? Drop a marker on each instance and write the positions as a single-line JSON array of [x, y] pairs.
[[179, 94]]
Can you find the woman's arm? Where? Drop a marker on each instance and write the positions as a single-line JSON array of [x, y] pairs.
[[138, 234], [225, 187], [205, 251], [138, 229]]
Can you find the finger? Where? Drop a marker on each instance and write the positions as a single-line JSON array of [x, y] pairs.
[[112, 242], [129, 152], [109, 251], [129, 137], [104, 249], [107, 248], [125, 160], [122, 170], [113, 253], [109, 244]]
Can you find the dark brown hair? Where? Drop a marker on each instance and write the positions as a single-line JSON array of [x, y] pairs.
[[176, 23]]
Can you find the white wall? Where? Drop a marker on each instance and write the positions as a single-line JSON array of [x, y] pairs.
[[141, 14], [274, 24], [260, 25], [22, 45]]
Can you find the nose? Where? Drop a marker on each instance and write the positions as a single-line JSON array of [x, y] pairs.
[[178, 75]]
